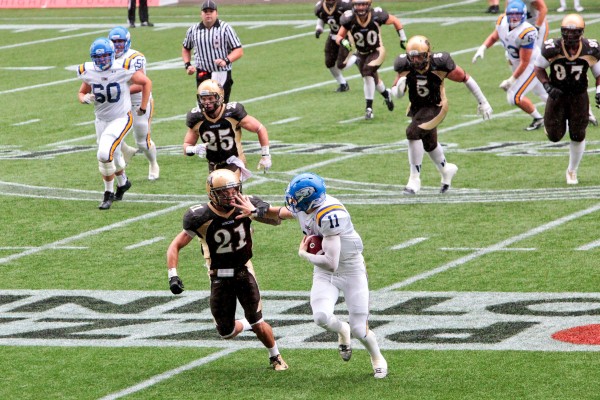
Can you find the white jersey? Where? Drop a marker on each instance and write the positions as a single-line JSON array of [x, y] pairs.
[[523, 36], [332, 218], [532, 12], [133, 59], [111, 88]]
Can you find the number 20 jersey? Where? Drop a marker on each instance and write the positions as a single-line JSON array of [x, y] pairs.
[[332, 218], [111, 88]]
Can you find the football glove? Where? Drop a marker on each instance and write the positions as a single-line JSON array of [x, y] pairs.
[[175, 285], [403, 44], [346, 44], [318, 33], [485, 110], [598, 100], [479, 54], [507, 83], [555, 92], [89, 98], [265, 163], [199, 150], [140, 111]]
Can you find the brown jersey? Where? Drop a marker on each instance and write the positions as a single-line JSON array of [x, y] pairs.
[[331, 16], [222, 135], [229, 239], [366, 35], [569, 73], [425, 89]]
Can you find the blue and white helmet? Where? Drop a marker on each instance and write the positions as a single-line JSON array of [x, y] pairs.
[[102, 52], [304, 192], [516, 13], [121, 38]]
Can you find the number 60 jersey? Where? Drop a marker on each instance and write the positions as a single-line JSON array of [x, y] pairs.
[[332, 218], [111, 88]]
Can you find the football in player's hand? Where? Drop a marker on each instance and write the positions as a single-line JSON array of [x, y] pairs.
[[315, 244]]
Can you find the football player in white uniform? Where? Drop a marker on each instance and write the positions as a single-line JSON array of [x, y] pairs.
[[518, 38], [340, 269], [133, 59], [106, 85]]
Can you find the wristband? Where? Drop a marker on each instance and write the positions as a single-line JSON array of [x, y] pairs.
[[227, 60], [187, 65], [142, 110], [597, 89], [265, 151]]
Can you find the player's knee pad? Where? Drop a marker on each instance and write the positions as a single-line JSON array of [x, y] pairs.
[[107, 169], [226, 331], [321, 319]]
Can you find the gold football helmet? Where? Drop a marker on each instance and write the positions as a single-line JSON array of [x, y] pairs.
[[418, 51], [222, 185], [571, 29], [210, 96], [361, 7]]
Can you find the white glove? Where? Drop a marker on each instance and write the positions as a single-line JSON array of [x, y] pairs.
[[140, 111], [265, 163], [400, 88], [199, 150], [485, 110], [507, 83], [89, 98], [479, 53]]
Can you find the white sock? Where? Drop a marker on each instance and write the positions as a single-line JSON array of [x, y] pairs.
[[369, 87], [121, 179], [370, 343], [536, 114], [380, 86], [151, 152], [273, 351], [415, 156], [351, 62], [337, 74], [437, 156], [576, 150], [109, 185]]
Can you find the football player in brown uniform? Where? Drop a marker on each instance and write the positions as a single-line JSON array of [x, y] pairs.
[[219, 125], [337, 58], [229, 238], [423, 74], [569, 58], [362, 26]]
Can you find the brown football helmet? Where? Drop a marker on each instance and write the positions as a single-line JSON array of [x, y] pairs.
[[361, 7], [222, 185], [418, 52], [571, 29]]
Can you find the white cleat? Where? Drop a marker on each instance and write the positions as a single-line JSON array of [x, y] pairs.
[[380, 370], [579, 9], [128, 152], [345, 342], [572, 177], [592, 120], [369, 113], [153, 171], [448, 173], [561, 9], [413, 185]]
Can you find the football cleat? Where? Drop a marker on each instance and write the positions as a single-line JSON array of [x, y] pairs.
[[369, 113], [561, 9], [388, 100], [128, 152], [147, 23], [107, 201], [345, 342], [537, 123], [277, 363], [448, 173], [344, 87], [379, 368], [153, 171], [579, 8], [345, 352], [592, 120], [413, 185], [572, 177], [121, 190]]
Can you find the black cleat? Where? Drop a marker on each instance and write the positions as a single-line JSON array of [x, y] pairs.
[[122, 189], [109, 197], [344, 87], [388, 100], [147, 23], [536, 124]]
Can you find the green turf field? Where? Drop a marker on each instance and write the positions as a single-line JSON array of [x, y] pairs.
[[488, 292]]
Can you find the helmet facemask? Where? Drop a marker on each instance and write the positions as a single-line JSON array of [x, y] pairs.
[[361, 7], [418, 52], [222, 186], [210, 96]]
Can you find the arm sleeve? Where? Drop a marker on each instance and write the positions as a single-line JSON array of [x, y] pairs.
[[329, 261]]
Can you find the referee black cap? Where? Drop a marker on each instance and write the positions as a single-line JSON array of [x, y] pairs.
[[209, 5]]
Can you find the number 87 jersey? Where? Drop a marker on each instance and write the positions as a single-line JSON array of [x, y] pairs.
[[330, 219]]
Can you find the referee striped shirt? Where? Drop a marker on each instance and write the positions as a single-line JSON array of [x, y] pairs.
[[211, 44]]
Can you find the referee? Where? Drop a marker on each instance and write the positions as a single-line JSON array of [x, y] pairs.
[[216, 46]]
